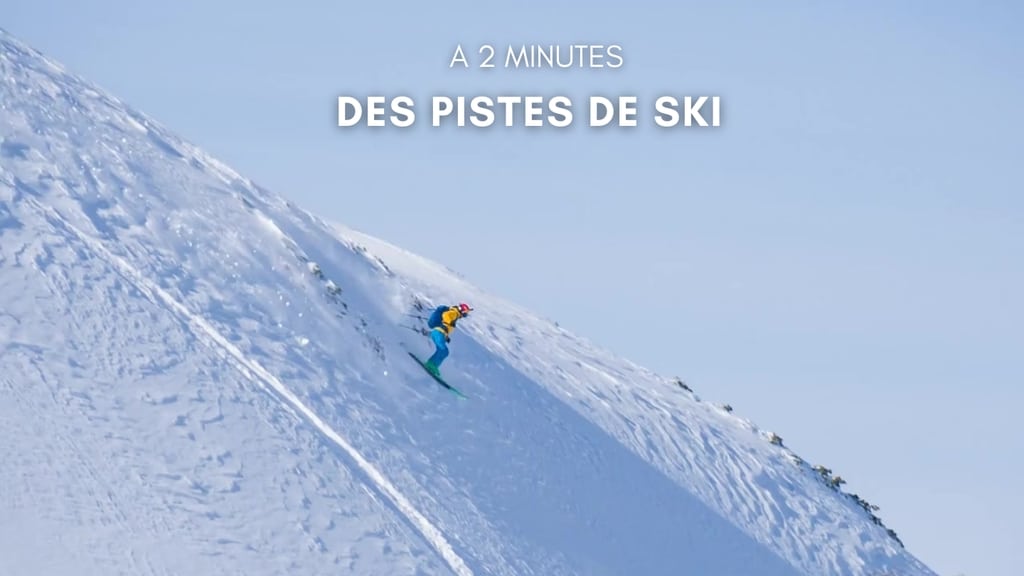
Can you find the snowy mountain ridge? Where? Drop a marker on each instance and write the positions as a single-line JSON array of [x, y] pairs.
[[199, 377]]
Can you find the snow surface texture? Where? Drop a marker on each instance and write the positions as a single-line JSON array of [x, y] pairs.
[[198, 378]]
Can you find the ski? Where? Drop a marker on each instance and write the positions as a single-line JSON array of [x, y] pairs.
[[437, 379]]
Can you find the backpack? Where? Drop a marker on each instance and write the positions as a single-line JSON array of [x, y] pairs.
[[435, 317]]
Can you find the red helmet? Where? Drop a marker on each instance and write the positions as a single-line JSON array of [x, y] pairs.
[[464, 308]]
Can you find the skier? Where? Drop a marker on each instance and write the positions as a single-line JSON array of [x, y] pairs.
[[442, 322]]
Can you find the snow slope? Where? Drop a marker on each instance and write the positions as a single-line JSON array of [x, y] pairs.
[[197, 377]]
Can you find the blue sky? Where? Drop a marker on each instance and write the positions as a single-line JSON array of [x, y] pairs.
[[841, 260]]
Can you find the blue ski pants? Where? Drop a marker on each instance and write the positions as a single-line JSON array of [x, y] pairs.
[[441, 348]]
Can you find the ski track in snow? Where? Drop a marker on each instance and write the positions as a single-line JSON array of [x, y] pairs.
[[566, 460], [256, 373], [94, 465]]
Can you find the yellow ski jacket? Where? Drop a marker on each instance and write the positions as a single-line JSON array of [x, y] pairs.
[[448, 318]]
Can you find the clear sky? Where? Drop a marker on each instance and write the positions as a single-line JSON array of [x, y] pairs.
[[841, 260]]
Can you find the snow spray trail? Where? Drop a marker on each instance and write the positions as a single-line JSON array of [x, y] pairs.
[[263, 378]]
